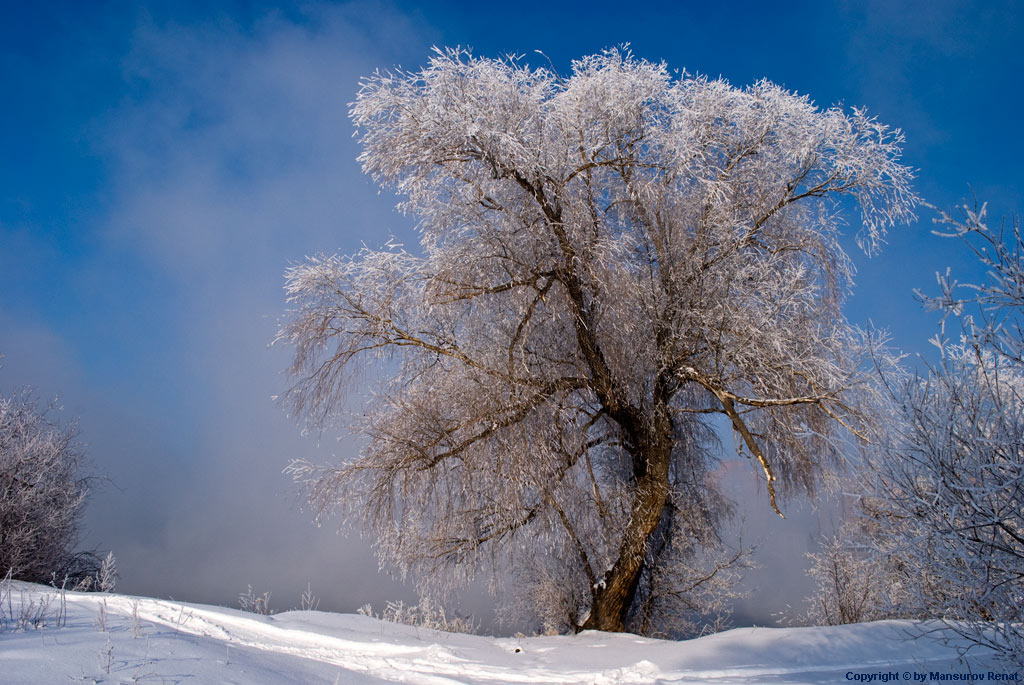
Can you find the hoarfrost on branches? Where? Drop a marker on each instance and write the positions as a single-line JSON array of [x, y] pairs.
[[608, 261], [947, 494], [42, 495]]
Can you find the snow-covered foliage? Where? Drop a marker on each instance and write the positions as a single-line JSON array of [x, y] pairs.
[[991, 314], [947, 494], [610, 262], [43, 489]]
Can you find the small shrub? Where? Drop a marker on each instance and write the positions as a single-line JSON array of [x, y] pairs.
[[426, 614], [31, 613], [106, 577], [309, 601], [253, 603]]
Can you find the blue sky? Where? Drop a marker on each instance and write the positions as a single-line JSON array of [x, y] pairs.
[[164, 162]]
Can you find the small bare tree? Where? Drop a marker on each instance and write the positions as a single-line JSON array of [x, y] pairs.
[[42, 494], [609, 261]]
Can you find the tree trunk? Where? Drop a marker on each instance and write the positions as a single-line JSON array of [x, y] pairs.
[[614, 594]]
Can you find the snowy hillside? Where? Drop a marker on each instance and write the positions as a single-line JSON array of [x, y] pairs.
[[120, 639]]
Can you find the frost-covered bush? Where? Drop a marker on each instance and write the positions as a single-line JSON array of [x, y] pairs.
[[254, 603], [308, 601], [950, 496], [853, 583], [946, 492], [106, 576], [426, 613], [43, 488]]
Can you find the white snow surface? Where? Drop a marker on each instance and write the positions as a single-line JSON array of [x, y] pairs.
[[176, 642]]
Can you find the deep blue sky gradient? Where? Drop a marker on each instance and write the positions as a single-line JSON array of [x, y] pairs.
[[164, 162]]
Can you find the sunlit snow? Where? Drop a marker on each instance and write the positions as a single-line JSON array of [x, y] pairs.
[[120, 639]]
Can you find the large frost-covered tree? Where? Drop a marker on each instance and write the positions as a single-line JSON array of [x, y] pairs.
[[613, 265]]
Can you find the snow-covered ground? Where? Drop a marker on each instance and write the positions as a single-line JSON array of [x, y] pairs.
[[119, 639]]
